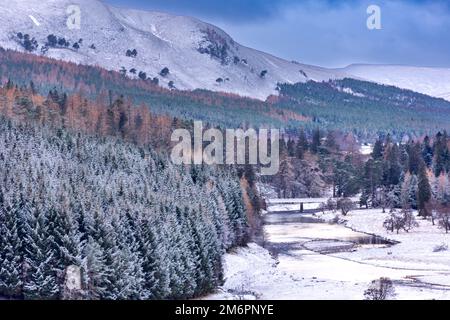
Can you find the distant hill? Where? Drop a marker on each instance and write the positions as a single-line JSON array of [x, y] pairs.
[[431, 81], [197, 55], [364, 108]]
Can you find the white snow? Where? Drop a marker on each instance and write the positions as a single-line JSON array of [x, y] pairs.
[[431, 81], [415, 249], [417, 271], [161, 40], [366, 149], [36, 22], [165, 40], [353, 93]]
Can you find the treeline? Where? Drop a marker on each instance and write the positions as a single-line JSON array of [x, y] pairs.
[[413, 174], [366, 109], [122, 217], [52, 205], [312, 165], [224, 109], [108, 115]]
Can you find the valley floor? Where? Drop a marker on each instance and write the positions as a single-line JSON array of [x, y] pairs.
[[310, 260]]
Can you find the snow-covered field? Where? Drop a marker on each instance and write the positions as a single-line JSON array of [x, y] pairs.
[[298, 273], [431, 81]]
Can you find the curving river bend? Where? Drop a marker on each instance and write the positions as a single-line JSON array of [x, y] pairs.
[[329, 257]]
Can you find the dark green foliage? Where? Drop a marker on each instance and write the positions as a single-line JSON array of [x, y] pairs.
[[392, 167], [423, 192], [62, 42], [377, 153], [263, 74], [164, 72], [216, 46], [370, 110], [52, 40], [131, 53], [441, 153], [415, 158], [316, 140], [27, 42], [427, 151], [302, 144], [142, 75], [137, 226]]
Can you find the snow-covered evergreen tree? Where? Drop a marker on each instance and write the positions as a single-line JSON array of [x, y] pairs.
[[137, 226]]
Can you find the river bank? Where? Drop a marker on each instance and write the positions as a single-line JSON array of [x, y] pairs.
[[304, 258]]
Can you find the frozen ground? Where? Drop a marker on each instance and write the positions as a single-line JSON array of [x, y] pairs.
[[302, 267]]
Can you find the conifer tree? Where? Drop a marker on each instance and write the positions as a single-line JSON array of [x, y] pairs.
[[423, 192], [378, 150], [10, 253], [302, 144], [427, 151], [316, 140]]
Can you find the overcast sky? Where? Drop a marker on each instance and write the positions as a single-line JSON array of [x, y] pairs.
[[329, 33]]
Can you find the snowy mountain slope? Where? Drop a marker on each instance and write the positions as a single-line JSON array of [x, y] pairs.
[[197, 54], [431, 81]]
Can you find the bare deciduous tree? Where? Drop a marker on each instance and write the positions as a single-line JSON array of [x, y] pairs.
[[443, 217], [345, 205], [397, 221], [381, 289]]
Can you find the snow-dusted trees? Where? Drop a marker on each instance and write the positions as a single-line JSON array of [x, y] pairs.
[[11, 245], [409, 191], [345, 205], [423, 191], [137, 226], [400, 220], [443, 216]]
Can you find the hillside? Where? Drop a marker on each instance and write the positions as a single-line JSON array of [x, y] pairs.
[[430, 81], [367, 109], [133, 225], [197, 54]]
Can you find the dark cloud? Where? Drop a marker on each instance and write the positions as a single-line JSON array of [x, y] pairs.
[[327, 32], [231, 10], [237, 10]]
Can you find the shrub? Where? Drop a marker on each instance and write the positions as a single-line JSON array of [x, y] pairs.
[[164, 72], [441, 247], [397, 221], [345, 205], [381, 289], [142, 75]]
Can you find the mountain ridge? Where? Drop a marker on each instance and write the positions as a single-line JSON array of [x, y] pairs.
[[195, 54], [432, 81]]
